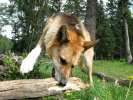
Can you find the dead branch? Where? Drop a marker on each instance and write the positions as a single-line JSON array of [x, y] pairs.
[[111, 79], [107, 78]]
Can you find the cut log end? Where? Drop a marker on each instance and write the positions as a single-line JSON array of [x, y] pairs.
[[32, 88]]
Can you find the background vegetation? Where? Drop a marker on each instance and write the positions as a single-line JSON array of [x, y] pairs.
[[28, 20], [5, 44]]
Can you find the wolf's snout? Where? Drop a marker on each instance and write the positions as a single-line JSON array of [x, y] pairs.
[[63, 82]]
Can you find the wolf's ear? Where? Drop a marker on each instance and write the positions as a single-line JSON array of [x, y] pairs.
[[62, 34], [89, 44]]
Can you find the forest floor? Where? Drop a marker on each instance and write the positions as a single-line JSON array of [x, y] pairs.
[[102, 90]]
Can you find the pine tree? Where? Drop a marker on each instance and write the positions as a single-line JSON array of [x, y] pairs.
[[106, 46], [116, 27], [31, 17]]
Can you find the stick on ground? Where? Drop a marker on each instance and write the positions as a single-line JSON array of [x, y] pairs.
[[121, 82]]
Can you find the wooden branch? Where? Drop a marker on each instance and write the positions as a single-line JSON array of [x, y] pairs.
[[111, 79], [18, 89]]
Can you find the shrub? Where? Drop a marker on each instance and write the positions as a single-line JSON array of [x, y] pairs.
[[5, 44], [12, 70]]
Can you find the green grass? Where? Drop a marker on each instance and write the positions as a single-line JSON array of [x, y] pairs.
[[118, 69], [101, 90]]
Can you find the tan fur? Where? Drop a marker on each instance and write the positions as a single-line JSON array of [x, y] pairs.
[[70, 51]]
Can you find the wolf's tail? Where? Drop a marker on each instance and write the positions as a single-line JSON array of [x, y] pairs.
[[29, 62]]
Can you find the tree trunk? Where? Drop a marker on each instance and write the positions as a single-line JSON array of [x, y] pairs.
[[20, 89], [127, 42], [90, 19]]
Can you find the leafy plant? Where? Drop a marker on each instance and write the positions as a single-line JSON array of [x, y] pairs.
[[5, 44], [12, 70]]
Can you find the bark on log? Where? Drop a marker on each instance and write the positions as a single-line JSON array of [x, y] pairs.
[[18, 89]]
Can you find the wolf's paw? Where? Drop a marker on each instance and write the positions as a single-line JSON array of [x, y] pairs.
[[26, 66]]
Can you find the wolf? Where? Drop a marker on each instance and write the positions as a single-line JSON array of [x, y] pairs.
[[65, 39]]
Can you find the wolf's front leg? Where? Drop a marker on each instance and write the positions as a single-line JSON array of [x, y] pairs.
[[89, 54]]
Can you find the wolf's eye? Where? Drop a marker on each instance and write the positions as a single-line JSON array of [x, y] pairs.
[[63, 61]]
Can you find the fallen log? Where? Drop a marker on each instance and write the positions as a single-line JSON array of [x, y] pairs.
[[31, 88]]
